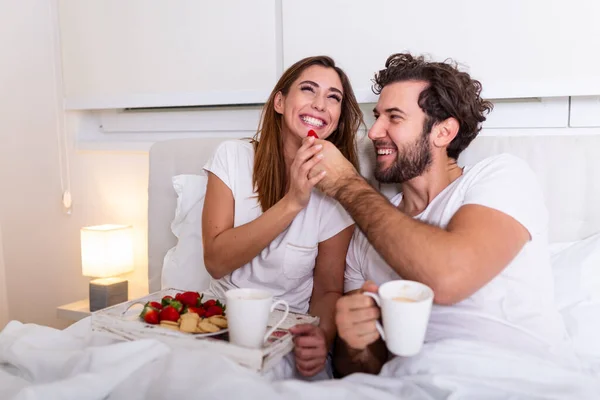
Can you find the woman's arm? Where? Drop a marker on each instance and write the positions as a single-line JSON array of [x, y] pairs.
[[227, 248], [328, 284], [313, 343]]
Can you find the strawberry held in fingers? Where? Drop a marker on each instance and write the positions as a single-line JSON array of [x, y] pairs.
[[169, 314], [312, 133], [150, 315]]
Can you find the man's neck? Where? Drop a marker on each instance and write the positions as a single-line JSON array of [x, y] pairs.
[[419, 192]]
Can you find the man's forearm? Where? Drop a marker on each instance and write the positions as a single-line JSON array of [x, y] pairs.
[[415, 250], [370, 360]]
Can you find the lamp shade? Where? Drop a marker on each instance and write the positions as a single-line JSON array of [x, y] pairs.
[[106, 250]]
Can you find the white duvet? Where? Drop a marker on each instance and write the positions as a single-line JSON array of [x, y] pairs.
[[38, 362]]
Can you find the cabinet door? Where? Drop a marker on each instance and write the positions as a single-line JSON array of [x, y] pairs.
[[516, 48], [148, 53]]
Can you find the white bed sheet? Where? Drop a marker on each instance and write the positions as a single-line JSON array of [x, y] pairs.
[[43, 363]]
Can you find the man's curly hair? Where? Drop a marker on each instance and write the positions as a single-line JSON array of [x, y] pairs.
[[450, 93]]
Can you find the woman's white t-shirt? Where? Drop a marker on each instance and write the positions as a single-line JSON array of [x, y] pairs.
[[285, 267]]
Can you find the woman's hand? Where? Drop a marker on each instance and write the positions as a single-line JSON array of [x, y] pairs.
[[300, 186], [310, 349]]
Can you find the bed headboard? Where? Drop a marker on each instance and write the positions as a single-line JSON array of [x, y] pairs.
[[565, 166]]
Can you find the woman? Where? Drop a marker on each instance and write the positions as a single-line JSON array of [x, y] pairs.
[[264, 226]]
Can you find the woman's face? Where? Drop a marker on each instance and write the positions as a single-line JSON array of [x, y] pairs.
[[314, 101]]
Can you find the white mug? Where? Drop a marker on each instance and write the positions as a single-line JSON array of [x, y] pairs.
[[248, 314], [405, 308]]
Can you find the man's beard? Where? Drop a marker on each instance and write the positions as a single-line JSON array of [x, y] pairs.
[[411, 162]]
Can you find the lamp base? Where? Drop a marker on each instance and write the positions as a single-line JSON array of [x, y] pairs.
[[107, 292]]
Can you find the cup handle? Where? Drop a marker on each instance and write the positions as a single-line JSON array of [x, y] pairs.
[[285, 314], [377, 323]]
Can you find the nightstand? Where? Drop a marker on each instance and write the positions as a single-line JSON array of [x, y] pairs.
[[74, 311]]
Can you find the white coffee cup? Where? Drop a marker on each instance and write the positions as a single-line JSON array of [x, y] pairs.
[[248, 314], [405, 308]]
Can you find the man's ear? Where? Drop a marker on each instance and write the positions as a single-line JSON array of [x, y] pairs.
[[444, 132], [279, 103]]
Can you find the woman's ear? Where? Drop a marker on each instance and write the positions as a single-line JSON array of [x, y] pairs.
[[444, 132], [279, 100]]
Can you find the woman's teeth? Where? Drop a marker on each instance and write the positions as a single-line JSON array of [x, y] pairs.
[[313, 121]]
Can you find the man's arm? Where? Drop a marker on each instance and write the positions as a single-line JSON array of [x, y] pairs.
[[478, 243], [455, 262], [369, 360]]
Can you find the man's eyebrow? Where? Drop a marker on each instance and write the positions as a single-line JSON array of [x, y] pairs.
[[333, 89], [389, 110]]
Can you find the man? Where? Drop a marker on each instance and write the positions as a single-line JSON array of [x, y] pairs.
[[476, 235]]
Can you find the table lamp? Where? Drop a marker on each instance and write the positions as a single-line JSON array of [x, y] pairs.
[[107, 251]]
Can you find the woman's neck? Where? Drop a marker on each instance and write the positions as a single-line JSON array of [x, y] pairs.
[[291, 144]]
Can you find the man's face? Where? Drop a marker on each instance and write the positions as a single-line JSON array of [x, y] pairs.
[[403, 147]]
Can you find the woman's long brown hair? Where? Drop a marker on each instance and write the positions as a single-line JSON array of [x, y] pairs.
[[270, 174]]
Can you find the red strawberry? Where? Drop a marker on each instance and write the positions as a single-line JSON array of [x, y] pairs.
[[166, 300], [209, 303], [199, 300], [312, 133], [188, 298], [156, 304], [176, 305], [150, 315], [198, 310], [213, 310], [169, 314]]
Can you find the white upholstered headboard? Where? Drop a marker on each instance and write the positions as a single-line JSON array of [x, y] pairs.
[[565, 166]]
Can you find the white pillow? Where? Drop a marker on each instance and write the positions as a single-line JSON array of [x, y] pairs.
[[576, 268], [183, 266]]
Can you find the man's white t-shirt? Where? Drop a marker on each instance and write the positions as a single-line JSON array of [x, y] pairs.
[[285, 267], [516, 309]]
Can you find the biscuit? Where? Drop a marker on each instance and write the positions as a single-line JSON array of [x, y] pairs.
[[192, 316], [219, 321], [199, 330], [207, 326], [188, 325], [172, 325], [169, 323]]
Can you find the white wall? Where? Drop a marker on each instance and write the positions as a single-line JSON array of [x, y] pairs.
[[4, 317], [40, 242]]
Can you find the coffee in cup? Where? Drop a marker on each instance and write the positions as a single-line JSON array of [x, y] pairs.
[[405, 308]]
